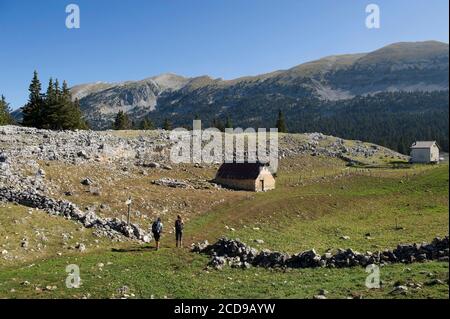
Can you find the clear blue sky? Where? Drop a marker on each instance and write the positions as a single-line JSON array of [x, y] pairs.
[[129, 40]]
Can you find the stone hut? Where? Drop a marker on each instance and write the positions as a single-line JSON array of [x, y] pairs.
[[425, 152], [254, 177]]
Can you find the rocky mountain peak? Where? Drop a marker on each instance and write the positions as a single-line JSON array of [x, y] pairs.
[[404, 66]]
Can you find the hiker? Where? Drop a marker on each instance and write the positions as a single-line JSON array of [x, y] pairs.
[[157, 228], [179, 226]]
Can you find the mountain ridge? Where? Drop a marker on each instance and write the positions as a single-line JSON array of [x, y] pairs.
[[304, 69], [398, 67]]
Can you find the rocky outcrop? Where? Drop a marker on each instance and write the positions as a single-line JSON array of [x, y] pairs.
[[188, 184], [105, 226], [318, 144], [238, 255], [170, 182], [152, 150], [21, 148], [75, 147]]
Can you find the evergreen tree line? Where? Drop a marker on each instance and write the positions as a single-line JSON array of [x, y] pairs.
[[53, 109], [5, 112], [394, 120], [123, 122]]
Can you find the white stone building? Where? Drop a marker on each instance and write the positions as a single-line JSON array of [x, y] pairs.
[[425, 152]]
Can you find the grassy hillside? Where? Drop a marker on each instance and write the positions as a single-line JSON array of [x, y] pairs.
[[45, 236], [311, 208], [318, 214]]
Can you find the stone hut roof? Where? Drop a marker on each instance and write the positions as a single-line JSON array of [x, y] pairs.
[[424, 144], [240, 170]]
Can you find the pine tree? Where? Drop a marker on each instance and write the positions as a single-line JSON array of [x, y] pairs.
[[65, 92], [167, 125], [32, 110], [81, 122], [5, 112], [147, 124], [50, 95], [229, 123], [68, 114], [281, 123], [50, 110], [60, 112], [57, 90], [53, 110], [122, 122], [401, 146]]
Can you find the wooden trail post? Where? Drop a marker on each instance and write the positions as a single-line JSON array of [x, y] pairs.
[[128, 203]]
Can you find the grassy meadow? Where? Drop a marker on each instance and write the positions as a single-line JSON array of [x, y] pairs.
[[315, 205]]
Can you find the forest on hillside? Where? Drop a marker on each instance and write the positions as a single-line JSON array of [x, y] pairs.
[[393, 119]]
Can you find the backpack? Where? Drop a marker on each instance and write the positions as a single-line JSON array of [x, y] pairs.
[[156, 227], [178, 225]]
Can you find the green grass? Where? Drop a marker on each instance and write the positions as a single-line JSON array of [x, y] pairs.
[[312, 214], [181, 274], [44, 234], [317, 216]]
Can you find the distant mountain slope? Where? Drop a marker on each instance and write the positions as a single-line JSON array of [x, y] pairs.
[[390, 96], [406, 66]]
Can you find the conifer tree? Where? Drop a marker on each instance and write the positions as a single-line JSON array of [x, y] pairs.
[[65, 91], [5, 112], [50, 110], [167, 125], [50, 95], [57, 91], [81, 123], [122, 122], [53, 110], [32, 110], [281, 123], [68, 115], [401, 146], [229, 123], [147, 124]]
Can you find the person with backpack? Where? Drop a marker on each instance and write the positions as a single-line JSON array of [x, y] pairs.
[[157, 228], [179, 226]]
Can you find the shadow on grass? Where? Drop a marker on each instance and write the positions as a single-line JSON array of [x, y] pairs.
[[136, 249]]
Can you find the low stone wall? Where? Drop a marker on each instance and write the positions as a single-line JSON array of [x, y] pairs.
[[238, 255], [105, 226]]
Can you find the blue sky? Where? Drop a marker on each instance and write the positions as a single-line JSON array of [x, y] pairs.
[[130, 40]]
